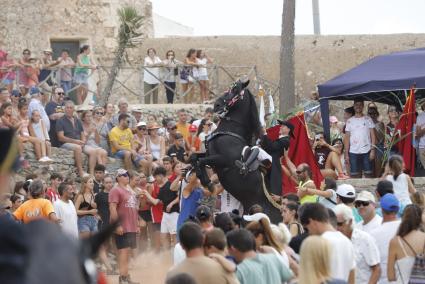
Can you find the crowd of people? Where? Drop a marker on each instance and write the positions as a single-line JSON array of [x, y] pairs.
[[381, 238], [362, 144], [158, 203], [46, 72]]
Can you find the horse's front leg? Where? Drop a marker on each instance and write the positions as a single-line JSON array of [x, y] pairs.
[[213, 161]]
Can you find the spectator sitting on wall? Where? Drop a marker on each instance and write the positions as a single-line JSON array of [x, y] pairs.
[[121, 138], [70, 133]]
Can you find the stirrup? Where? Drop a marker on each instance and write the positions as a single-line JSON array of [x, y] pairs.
[[243, 170]]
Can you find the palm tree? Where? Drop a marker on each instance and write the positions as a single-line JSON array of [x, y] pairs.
[[287, 77], [130, 24]]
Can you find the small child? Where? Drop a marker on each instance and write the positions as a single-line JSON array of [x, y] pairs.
[[38, 129]]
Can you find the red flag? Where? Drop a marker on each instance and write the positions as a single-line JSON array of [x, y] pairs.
[[404, 129], [299, 152]]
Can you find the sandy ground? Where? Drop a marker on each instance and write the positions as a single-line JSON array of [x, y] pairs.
[[149, 267]]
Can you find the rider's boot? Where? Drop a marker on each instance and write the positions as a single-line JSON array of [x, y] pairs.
[[249, 157]]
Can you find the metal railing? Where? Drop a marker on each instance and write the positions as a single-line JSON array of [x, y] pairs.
[[130, 81]]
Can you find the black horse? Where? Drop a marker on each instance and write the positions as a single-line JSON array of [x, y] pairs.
[[238, 127]]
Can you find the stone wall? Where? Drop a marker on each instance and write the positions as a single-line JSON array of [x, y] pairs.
[[317, 58], [33, 23]]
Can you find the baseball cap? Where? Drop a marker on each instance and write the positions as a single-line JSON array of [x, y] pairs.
[[141, 123], [16, 93], [136, 110], [390, 203], [346, 190], [256, 217], [59, 90], [365, 196], [171, 124], [121, 172], [34, 91], [193, 128]]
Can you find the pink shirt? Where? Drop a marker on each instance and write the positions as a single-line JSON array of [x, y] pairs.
[[127, 208]]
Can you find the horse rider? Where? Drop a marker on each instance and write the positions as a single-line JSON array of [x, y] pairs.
[[270, 151]]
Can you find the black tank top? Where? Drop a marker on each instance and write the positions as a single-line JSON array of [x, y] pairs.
[[86, 205]]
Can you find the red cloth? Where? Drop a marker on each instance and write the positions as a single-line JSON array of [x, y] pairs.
[[156, 210], [300, 152], [405, 127]]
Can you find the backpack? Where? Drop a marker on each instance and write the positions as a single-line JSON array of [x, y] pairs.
[[417, 275]]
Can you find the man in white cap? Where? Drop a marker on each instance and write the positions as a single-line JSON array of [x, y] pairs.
[[366, 206], [123, 206], [346, 194], [366, 251], [137, 113]]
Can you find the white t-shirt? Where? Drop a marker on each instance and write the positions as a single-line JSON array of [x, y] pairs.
[[373, 224], [343, 257], [366, 254], [178, 254], [383, 235], [420, 121], [401, 188], [68, 215], [200, 71], [326, 202], [359, 128], [229, 203], [147, 77]]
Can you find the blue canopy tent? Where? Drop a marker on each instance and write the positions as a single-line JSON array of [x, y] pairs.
[[383, 79]]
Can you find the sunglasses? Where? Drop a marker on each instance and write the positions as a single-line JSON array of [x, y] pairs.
[[359, 203], [339, 224], [60, 94], [26, 53], [299, 172], [99, 113], [16, 95], [123, 175], [141, 128], [172, 128]]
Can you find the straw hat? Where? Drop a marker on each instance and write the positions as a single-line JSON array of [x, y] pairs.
[[153, 125]]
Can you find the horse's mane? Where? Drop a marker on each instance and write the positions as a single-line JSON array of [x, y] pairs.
[[254, 117]]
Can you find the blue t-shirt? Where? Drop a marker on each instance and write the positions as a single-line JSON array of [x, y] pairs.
[[189, 206]]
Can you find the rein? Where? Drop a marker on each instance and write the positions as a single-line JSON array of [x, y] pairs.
[[268, 196]]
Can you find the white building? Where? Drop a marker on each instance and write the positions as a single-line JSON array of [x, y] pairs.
[[164, 27]]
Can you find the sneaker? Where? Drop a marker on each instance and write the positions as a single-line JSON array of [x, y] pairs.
[[43, 160], [342, 177], [49, 160], [126, 280]]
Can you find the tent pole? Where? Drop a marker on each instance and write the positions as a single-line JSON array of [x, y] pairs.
[[324, 111]]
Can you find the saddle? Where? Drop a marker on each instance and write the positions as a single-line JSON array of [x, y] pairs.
[[248, 162]]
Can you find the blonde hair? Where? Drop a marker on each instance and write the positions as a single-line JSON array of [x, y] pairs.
[[314, 260], [84, 182], [282, 234], [263, 227]]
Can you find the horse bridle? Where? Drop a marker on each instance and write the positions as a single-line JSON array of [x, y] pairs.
[[229, 103]]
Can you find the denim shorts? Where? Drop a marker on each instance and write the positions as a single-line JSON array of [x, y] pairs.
[[87, 223], [359, 163], [120, 155], [81, 78]]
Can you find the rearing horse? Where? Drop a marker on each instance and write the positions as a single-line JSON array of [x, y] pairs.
[[239, 125]]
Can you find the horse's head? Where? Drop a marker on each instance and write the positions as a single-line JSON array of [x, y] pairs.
[[238, 104], [224, 104]]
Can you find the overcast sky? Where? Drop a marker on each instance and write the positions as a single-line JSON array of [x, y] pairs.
[[263, 17]]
